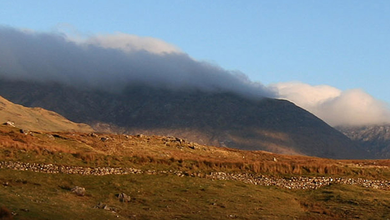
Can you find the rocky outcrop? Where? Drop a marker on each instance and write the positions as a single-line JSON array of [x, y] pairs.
[[374, 139]]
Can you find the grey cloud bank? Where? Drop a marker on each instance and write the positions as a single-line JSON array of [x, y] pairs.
[[111, 62]]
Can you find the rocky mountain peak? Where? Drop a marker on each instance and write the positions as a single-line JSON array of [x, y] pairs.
[[374, 139]]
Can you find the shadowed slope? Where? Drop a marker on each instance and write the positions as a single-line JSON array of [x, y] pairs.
[[374, 139], [221, 119]]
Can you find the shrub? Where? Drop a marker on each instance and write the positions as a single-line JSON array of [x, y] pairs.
[[5, 214]]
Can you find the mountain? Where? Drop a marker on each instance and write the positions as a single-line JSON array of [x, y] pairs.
[[374, 139], [37, 119], [213, 118]]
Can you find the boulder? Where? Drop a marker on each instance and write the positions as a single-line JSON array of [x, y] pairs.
[[104, 139], [101, 206], [93, 135], [80, 191], [25, 132], [9, 123], [123, 197]]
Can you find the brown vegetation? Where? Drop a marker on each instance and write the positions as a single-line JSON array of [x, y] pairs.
[[91, 149], [37, 119], [5, 214], [165, 183]]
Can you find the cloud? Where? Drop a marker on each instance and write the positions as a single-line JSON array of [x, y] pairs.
[[132, 43], [352, 107], [111, 62]]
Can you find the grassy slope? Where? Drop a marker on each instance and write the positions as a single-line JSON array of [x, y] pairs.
[[158, 153], [37, 118], [48, 196]]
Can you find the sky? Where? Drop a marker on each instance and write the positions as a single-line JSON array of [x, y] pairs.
[[325, 56]]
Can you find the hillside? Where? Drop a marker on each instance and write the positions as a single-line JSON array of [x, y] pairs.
[[220, 119], [149, 177], [374, 139], [118, 150], [37, 119]]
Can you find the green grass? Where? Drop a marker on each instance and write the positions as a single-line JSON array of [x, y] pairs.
[[347, 202], [48, 196]]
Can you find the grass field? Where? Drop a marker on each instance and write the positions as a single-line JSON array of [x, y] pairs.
[[48, 196], [31, 195]]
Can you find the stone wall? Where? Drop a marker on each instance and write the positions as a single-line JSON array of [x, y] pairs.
[[299, 182]]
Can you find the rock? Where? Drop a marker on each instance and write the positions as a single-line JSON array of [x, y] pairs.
[[9, 123], [93, 135], [101, 206], [105, 207], [80, 191], [104, 139], [123, 197], [50, 136], [180, 140], [59, 136], [25, 132]]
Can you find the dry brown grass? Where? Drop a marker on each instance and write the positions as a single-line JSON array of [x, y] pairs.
[[168, 152], [37, 119]]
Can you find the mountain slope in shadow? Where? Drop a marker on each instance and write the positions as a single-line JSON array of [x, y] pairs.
[[214, 118]]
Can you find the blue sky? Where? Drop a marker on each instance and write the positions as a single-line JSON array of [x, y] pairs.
[[344, 44]]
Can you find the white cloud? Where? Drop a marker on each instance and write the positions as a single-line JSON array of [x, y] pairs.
[[112, 62], [122, 41], [352, 107], [132, 43]]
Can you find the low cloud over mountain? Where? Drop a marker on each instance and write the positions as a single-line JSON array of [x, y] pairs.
[[132, 43], [352, 107], [113, 61]]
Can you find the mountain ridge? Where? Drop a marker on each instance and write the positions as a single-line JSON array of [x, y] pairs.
[[374, 139], [220, 119]]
